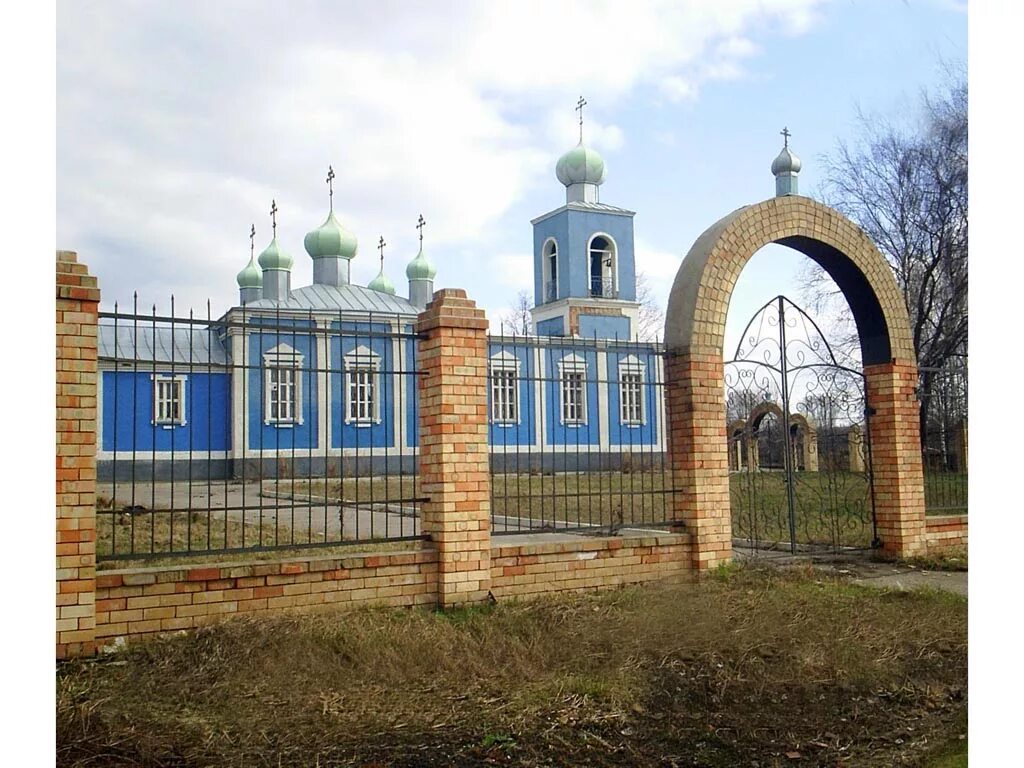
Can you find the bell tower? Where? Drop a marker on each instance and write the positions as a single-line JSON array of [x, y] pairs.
[[584, 270]]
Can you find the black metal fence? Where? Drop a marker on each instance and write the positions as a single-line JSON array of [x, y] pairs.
[[577, 436], [255, 431], [943, 396]]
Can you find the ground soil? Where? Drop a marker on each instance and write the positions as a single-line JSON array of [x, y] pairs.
[[780, 666]]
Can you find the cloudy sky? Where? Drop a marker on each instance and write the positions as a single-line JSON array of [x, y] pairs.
[[177, 123]]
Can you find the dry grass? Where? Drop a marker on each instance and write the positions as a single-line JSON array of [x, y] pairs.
[[160, 531], [203, 537], [742, 670], [832, 508]]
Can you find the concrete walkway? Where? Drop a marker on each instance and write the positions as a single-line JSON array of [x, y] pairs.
[[865, 572]]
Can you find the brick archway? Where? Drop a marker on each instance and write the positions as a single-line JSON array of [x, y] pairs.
[[694, 339]]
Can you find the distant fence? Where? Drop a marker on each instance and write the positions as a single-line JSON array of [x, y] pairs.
[[577, 435], [254, 432], [943, 396]]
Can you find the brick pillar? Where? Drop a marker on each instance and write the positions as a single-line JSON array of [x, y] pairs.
[[77, 301], [454, 465], [896, 465], [695, 402]]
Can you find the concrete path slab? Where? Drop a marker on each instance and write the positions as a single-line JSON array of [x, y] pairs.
[[860, 570]]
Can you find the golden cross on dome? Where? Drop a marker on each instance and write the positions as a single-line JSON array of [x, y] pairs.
[[273, 216], [785, 137], [420, 224], [579, 108], [252, 242], [330, 185], [380, 247]]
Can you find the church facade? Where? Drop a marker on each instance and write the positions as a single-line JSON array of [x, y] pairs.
[[323, 375]]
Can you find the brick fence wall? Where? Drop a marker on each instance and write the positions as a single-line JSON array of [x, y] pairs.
[[460, 563], [946, 534], [140, 602], [522, 569]]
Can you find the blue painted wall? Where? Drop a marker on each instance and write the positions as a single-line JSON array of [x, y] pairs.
[[622, 434], [128, 413], [573, 231], [372, 435], [127, 399], [604, 327], [524, 432], [554, 326], [556, 226], [274, 437]]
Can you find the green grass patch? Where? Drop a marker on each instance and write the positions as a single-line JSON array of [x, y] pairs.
[[153, 535]]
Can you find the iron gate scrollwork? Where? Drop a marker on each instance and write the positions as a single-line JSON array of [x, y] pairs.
[[797, 430]]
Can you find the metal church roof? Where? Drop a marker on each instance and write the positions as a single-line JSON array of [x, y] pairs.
[[580, 205], [353, 298], [182, 345], [590, 206]]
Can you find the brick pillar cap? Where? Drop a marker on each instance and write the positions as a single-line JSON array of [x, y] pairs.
[[449, 293], [451, 308], [71, 256]]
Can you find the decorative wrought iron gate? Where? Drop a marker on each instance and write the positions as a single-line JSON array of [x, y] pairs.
[[799, 453]]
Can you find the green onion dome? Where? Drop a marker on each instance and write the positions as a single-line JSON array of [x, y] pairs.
[[250, 276], [382, 284], [275, 258], [420, 268], [581, 165], [786, 162], [331, 239]]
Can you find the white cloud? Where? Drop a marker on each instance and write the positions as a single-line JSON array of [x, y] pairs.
[[677, 88], [659, 266], [738, 47], [514, 270], [177, 123]]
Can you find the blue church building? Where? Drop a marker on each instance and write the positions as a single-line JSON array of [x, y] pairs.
[[324, 375]]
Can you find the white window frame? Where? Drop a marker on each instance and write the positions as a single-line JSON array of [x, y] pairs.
[[283, 357], [549, 249], [505, 363], [363, 361], [178, 382], [572, 365], [628, 367]]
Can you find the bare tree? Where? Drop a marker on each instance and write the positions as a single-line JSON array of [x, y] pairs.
[[517, 320], [651, 318], [906, 186]]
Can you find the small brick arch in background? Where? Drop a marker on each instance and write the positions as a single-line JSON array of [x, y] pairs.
[[694, 339]]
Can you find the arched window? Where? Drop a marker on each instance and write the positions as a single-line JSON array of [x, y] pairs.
[[550, 267], [602, 254]]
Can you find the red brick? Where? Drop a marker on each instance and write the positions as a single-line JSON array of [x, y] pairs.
[[203, 574]]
